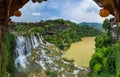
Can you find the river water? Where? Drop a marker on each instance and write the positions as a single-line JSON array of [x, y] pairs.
[[81, 51]]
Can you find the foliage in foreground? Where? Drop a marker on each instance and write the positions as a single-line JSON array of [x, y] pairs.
[[8, 66], [105, 61]]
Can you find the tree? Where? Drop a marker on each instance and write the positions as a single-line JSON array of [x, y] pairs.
[[106, 25]]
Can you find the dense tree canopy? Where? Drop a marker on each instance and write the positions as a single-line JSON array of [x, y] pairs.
[[106, 25]]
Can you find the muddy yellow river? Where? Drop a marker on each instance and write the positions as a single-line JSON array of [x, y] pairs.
[[81, 51]]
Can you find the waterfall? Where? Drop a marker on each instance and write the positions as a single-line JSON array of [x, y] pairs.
[[40, 39], [28, 46], [34, 41], [27, 52], [20, 51], [23, 48]]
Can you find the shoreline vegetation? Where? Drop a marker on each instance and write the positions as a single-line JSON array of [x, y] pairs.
[[105, 62]]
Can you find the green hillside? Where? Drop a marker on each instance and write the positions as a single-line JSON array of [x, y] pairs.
[[94, 24], [60, 32]]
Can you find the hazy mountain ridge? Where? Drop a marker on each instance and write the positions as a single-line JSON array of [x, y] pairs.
[[95, 24]]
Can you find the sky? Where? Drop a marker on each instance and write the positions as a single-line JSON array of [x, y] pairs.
[[74, 10]]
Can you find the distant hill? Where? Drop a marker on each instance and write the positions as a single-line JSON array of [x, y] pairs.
[[97, 25]]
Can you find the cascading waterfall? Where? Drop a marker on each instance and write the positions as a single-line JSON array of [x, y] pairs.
[[34, 40], [23, 48], [28, 46], [40, 39], [32, 49], [20, 51]]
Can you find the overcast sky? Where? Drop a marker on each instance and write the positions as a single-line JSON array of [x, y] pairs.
[[74, 10]]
